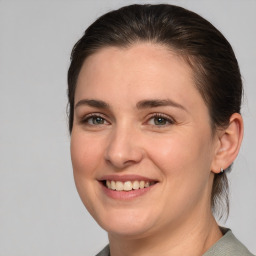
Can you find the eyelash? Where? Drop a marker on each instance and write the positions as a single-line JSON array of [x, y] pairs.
[[86, 119], [170, 121]]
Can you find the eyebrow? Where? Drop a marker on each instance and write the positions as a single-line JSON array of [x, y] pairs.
[[158, 103], [93, 103], [143, 104]]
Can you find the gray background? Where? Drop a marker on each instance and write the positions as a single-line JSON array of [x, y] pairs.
[[40, 210]]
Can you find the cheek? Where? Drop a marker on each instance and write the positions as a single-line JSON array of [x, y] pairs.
[[183, 158], [85, 156], [85, 153], [184, 164], [177, 151]]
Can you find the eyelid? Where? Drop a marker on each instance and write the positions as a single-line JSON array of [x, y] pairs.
[[170, 119], [86, 117]]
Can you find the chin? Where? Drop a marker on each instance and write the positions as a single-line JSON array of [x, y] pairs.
[[126, 223], [127, 230]]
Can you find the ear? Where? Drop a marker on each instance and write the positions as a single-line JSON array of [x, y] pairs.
[[228, 144]]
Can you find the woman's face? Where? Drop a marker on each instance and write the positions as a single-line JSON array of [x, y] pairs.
[[141, 145]]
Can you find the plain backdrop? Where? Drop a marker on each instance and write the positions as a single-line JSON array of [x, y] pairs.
[[40, 210]]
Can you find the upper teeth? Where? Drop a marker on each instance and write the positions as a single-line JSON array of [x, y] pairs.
[[127, 185]]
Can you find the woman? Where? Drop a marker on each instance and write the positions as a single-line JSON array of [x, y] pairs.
[[154, 101]]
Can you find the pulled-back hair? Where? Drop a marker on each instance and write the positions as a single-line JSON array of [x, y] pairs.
[[216, 72]]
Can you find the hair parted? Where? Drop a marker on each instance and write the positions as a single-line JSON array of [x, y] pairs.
[[203, 47]]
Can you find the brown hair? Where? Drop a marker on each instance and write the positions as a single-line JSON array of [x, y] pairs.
[[216, 71]]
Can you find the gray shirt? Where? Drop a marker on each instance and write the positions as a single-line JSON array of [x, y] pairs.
[[228, 245]]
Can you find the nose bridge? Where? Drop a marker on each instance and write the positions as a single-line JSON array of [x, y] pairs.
[[123, 148]]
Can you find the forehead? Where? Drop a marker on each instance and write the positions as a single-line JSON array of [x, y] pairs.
[[140, 56], [144, 70]]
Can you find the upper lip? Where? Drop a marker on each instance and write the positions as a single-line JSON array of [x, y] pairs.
[[127, 177]]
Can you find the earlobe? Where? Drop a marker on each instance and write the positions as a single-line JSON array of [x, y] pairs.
[[230, 140]]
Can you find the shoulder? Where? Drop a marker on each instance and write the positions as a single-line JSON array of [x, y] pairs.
[[228, 245], [104, 252]]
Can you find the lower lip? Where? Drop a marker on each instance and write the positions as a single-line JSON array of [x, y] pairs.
[[126, 195]]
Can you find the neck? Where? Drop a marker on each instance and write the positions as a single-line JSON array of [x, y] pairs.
[[189, 238]]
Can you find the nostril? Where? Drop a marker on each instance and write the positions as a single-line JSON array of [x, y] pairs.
[[123, 152]]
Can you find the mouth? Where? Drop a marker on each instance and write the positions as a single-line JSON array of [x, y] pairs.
[[127, 185]]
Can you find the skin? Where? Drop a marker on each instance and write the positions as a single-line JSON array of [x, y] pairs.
[[181, 153]]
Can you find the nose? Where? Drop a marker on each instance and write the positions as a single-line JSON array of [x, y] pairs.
[[123, 149]]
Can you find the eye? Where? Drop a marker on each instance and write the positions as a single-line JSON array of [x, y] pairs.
[[160, 120], [94, 119]]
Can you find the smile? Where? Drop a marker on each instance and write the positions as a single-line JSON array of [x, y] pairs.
[[128, 185]]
